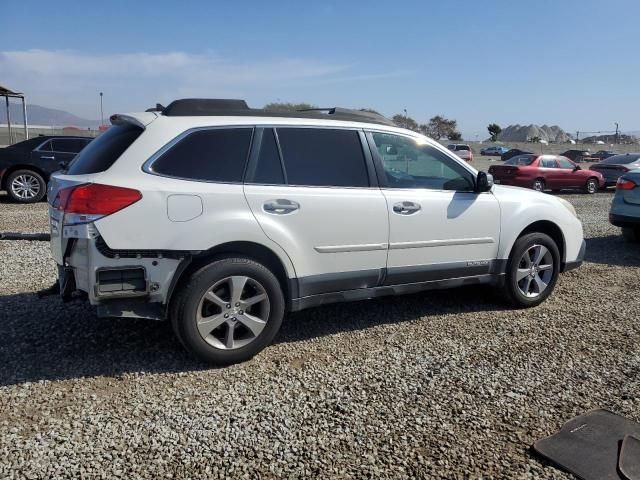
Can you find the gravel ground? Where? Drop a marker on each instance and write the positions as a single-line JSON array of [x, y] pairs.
[[15, 217], [439, 385]]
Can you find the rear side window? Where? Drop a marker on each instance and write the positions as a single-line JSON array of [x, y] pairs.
[[102, 152], [215, 155], [548, 163], [46, 146], [68, 145], [323, 157], [522, 160]]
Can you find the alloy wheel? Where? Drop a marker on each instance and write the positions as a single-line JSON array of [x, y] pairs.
[[535, 271], [25, 186], [233, 312], [538, 185], [592, 186]]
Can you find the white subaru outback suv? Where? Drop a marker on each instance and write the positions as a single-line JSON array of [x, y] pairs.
[[221, 218]]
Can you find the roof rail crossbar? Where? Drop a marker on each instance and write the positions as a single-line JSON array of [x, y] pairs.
[[228, 107], [204, 106], [328, 110]]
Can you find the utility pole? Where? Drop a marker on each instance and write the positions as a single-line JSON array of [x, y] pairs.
[[577, 137], [101, 111], [406, 118], [617, 133]]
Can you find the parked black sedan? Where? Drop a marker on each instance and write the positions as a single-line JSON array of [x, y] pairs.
[[25, 167], [579, 156], [512, 153], [602, 154], [614, 167]]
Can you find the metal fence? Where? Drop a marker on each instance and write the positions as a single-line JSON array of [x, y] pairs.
[[17, 134]]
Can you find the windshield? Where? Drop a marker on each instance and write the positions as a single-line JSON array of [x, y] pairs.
[[102, 152], [621, 159], [521, 160]]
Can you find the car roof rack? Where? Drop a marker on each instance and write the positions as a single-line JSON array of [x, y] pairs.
[[188, 107]]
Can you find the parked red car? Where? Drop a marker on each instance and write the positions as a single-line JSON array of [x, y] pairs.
[[546, 172]]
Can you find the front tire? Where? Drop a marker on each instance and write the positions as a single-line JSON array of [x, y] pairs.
[[532, 270], [228, 311], [26, 186], [592, 186]]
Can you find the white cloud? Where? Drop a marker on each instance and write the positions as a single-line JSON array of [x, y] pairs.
[[71, 80]]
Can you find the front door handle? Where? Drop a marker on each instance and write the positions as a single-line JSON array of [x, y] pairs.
[[47, 157], [406, 208], [281, 206]]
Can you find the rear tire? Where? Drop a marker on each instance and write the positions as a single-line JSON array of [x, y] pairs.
[[228, 311], [26, 186], [538, 185], [592, 186], [631, 234], [532, 270]]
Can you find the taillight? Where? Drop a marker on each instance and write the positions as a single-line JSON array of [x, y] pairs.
[[91, 201], [625, 184]]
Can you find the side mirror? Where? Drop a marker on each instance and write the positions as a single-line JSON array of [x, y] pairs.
[[576, 168], [484, 182]]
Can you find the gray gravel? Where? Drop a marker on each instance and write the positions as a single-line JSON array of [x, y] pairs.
[[16, 217], [443, 384]]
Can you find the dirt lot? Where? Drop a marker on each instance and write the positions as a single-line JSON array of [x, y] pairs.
[[436, 385]]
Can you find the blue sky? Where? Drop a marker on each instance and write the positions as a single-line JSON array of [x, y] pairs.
[[571, 63]]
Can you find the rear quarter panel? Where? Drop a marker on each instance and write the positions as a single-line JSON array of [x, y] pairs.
[[225, 215]]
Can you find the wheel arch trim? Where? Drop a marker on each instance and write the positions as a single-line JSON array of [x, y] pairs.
[[279, 264]]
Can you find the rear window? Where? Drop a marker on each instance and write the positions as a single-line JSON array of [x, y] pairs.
[[102, 152], [29, 144], [620, 159], [521, 160], [462, 147], [213, 155], [323, 157]]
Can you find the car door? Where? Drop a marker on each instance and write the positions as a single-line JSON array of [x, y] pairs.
[[313, 192], [65, 149], [439, 227], [548, 170], [44, 157], [568, 176]]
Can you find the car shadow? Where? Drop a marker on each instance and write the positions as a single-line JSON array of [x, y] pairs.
[[43, 339], [612, 250], [576, 192]]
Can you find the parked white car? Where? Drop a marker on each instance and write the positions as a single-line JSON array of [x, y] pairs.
[[222, 218]]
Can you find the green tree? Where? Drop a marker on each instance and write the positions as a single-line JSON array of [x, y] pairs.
[[455, 136], [405, 121], [494, 131], [440, 127], [287, 106], [534, 139]]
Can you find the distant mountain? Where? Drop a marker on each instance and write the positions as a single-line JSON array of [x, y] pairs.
[[37, 115], [523, 133]]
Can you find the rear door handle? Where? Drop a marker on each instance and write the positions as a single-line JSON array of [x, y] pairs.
[[281, 206], [406, 208]]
